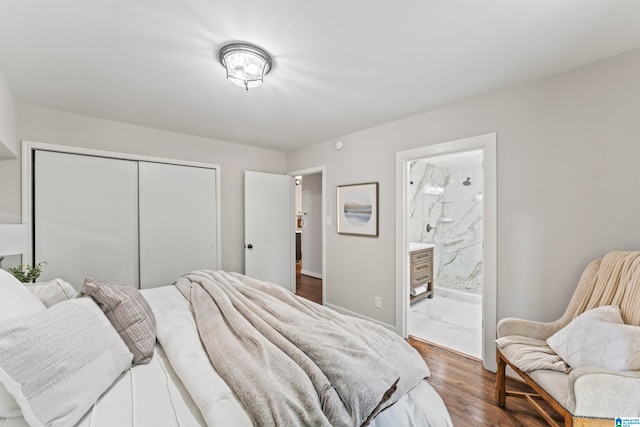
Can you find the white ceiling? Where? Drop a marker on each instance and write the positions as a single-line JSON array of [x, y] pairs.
[[340, 65]]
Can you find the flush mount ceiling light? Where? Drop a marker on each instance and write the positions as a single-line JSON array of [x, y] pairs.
[[246, 64]]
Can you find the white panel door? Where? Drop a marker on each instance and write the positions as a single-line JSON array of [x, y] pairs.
[[269, 228], [177, 222], [86, 218]]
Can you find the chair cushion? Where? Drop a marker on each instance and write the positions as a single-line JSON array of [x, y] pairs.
[[556, 384]]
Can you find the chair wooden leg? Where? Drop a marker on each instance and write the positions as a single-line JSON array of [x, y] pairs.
[[539, 394], [501, 390]]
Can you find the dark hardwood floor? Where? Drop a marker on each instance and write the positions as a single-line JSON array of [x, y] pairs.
[[308, 287], [467, 390]]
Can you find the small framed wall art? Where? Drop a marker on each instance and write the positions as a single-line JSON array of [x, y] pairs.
[[358, 209]]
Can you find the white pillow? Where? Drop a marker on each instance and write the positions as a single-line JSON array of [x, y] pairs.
[[15, 298], [598, 338], [57, 373], [52, 292], [8, 406], [15, 301]]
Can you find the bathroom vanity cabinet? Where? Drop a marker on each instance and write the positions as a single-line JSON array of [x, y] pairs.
[[421, 267]]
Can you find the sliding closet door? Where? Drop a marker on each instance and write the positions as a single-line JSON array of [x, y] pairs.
[[177, 222], [86, 217]]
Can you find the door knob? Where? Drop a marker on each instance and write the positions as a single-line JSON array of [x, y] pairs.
[[429, 228], [249, 246]]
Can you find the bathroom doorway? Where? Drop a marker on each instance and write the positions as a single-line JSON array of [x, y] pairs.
[[450, 209], [445, 195]]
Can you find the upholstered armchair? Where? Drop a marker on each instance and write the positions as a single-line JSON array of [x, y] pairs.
[[586, 395]]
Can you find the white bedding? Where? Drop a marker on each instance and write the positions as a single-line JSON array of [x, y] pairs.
[[180, 388]]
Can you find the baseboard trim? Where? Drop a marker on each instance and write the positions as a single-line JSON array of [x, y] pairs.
[[360, 316], [311, 274]]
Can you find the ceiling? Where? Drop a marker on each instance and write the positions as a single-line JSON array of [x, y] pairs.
[[340, 65]]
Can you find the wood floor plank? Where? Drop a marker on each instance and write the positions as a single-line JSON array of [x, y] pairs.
[[467, 390], [308, 287]]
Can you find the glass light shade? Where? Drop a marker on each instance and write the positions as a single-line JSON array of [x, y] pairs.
[[246, 64]]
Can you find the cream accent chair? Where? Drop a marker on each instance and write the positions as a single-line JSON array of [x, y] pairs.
[[585, 396]]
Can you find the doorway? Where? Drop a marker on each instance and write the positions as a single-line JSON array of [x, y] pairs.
[[444, 196], [309, 214], [486, 144]]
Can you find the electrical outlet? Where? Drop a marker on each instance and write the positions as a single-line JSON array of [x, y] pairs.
[[377, 302]]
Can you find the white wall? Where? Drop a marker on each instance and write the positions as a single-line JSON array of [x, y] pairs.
[[45, 125], [8, 150], [568, 186], [312, 225], [8, 140]]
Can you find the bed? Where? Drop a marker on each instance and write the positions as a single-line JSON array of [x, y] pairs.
[[168, 380]]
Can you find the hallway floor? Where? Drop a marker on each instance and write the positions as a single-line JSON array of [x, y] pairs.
[[449, 323], [308, 287]]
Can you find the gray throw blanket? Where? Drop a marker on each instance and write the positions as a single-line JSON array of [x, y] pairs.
[[292, 362]]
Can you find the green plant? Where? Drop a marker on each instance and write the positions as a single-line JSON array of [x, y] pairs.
[[27, 273]]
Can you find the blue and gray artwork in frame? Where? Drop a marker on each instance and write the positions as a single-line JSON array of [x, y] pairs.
[[358, 209]]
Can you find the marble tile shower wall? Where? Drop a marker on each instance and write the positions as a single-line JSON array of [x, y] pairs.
[[440, 199]]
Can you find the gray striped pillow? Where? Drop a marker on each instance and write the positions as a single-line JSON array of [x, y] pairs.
[[130, 315]]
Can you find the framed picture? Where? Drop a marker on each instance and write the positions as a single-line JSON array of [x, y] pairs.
[[358, 209]]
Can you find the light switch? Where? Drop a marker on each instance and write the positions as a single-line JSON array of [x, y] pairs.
[[328, 221]]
